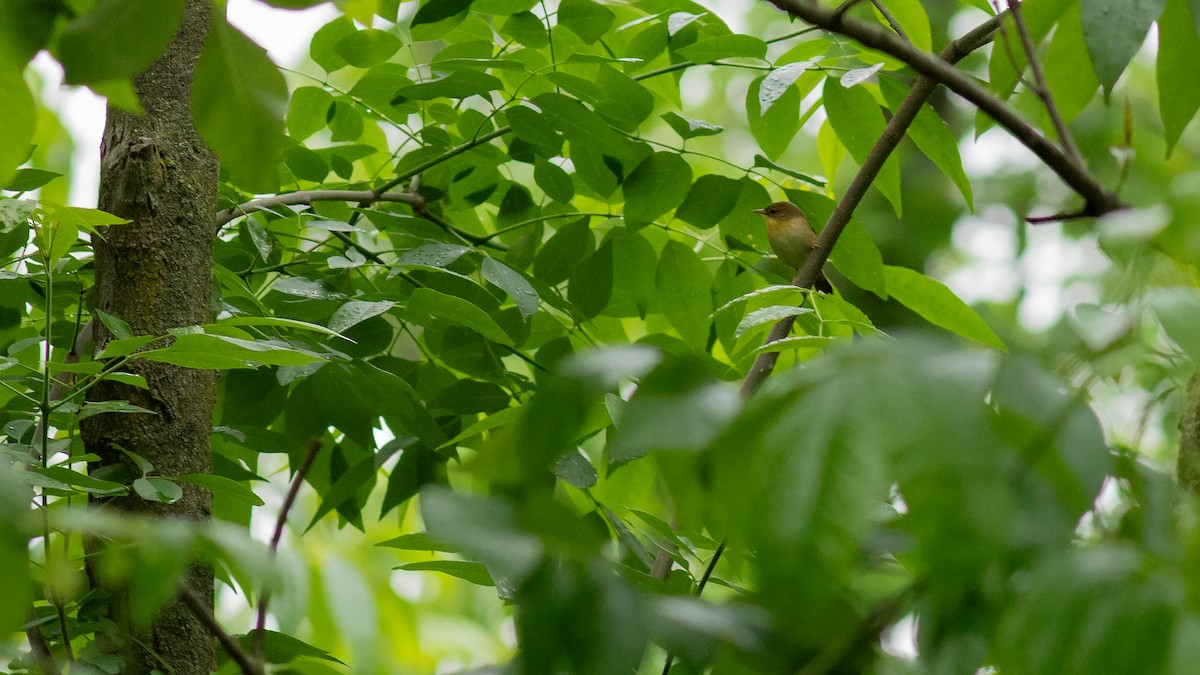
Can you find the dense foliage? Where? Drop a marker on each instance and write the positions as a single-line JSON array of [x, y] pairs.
[[498, 317]]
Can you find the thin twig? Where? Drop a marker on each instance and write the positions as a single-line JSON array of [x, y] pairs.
[[1040, 88], [840, 12], [310, 196], [200, 608], [1098, 201], [260, 624], [904, 115], [887, 16], [708, 572], [1057, 218]]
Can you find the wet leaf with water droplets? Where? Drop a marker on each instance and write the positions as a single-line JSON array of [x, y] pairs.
[[859, 75], [305, 288], [355, 312], [778, 81], [511, 281], [434, 255], [677, 21]]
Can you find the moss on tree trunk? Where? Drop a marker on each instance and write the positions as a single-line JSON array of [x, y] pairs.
[[156, 274]]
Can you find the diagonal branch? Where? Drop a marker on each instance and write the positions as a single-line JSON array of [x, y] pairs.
[[260, 624], [231, 646], [1098, 201], [1039, 83], [904, 115]]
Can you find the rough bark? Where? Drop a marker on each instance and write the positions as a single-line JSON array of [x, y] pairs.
[[156, 274]]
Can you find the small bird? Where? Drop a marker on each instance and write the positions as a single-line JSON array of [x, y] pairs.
[[791, 237]]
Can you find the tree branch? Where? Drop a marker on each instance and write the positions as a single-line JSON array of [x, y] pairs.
[[904, 115], [261, 621], [310, 196], [1098, 201], [1040, 88], [231, 646]]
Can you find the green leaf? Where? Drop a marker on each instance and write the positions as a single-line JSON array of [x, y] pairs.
[[591, 283], [118, 327], [938, 305], [1178, 310], [437, 10], [912, 18], [307, 111], [127, 378], [511, 282], [93, 408], [634, 265], [322, 48], [201, 350], [932, 136], [554, 181], [762, 162], [775, 124], [274, 321], [221, 486], [709, 199], [367, 47], [1178, 86], [563, 252], [282, 648], [117, 348], [724, 47], [17, 120], [687, 127], [157, 490], [623, 100], [427, 305], [660, 183], [355, 312], [1114, 31], [858, 122], [238, 101], [775, 84], [143, 465], [81, 481], [1090, 610], [767, 315], [471, 572], [485, 529], [30, 179], [117, 39], [685, 293], [582, 126], [418, 541], [677, 408], [458, 84], [1068, 69], [587, 19], [530, 125]]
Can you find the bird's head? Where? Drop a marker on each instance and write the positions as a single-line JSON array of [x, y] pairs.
[[781, 211]]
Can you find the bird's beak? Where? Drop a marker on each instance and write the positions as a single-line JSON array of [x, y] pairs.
[[761, 212]]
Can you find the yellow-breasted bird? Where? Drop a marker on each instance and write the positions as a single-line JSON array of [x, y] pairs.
[[791, 237]]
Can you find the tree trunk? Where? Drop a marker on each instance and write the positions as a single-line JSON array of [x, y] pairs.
[[156, 274]]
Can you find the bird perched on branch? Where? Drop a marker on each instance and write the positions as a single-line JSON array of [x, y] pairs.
[[791, 237]]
